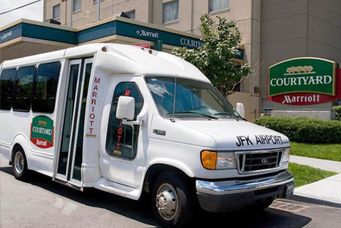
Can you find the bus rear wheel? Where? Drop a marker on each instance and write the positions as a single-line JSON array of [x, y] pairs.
[[172, 201], [19, 164]]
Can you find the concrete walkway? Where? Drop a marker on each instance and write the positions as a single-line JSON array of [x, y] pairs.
[[328, 189], [332, 166]]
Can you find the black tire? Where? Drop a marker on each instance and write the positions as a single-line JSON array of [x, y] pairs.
[[184, 202], [19, 164]]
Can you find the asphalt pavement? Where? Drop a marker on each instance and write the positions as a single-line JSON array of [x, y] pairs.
[[39, 202]]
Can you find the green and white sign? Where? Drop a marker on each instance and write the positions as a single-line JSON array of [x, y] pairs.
[[301, 75], [42, 132]]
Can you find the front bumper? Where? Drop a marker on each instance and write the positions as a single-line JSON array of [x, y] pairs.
[[219, 196]]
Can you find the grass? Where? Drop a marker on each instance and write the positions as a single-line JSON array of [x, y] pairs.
[[327, 151], [305, 174]]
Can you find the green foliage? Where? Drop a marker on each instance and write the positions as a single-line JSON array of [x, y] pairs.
[[321, 151], [337, 109], [305, 174], [215, 58], [305, 130]]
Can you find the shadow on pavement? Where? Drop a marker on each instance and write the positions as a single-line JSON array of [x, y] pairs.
[[141, 210]]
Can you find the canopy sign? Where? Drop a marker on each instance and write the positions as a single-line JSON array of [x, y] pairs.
[[303, 81]]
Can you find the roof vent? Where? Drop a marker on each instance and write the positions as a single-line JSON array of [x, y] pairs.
[[123, 14], [52, 21]]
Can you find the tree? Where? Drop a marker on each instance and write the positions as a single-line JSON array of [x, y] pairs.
[[216, 57]]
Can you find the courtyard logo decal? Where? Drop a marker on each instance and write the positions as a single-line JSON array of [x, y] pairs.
[[304, 81], [42, 132]]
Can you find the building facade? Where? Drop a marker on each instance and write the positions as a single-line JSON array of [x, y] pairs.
[[272, 31], [297, 29], [182, 15]]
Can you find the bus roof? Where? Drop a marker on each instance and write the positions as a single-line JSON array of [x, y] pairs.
[[120, 58]]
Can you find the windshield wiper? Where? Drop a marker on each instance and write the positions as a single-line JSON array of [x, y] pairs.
[[198, 113], [223, 113], [229, 114]]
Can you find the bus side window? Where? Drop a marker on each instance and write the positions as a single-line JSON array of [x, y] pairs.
[[45, 88], [6, 88], [23, 89], [122, 139]]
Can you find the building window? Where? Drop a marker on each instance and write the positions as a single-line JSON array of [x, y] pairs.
[[170, 11], [76, 5], [56, 12], [6, 88], [94, 2], [23, 89], [216, 5], [46, 82], [130, 14]]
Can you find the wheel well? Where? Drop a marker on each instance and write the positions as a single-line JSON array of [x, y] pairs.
[[16, 146], [155, 170]]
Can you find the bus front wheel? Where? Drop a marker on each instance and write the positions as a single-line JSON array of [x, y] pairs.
[[172, 201], [19, 164]]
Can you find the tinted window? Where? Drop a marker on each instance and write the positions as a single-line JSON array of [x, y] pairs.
[[6, 88], [188, 98], [46, 82], [79, 145], [122, 139], [23, 89]]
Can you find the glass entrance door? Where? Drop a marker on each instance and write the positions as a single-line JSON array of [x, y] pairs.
[[71, 147]]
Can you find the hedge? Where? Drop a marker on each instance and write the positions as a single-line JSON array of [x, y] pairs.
[[304, 130], [337, 109]]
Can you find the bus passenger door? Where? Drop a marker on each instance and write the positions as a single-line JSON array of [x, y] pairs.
[[69, 158]]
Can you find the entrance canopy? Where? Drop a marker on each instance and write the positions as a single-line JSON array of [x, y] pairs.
[[27, 37]]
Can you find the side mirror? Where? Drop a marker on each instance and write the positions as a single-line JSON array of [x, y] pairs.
[[240, 109], [125, 108]]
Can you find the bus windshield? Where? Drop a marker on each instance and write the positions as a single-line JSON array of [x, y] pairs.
[[183, 98]]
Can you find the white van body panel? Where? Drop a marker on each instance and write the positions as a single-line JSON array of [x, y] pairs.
[[180, 146], [125, 59], [40, 58], [225, 133]]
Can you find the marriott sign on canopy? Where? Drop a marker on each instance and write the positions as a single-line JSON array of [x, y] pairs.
[[304, 81]]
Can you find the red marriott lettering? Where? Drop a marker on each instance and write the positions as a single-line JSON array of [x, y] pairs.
[[93, 103]]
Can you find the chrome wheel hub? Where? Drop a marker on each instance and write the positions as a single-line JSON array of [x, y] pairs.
[[19, 162], [167, 201]]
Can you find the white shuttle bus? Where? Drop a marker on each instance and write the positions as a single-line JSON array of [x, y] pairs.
[[129, 121]]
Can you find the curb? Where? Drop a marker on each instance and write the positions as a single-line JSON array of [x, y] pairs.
[[307, 199]]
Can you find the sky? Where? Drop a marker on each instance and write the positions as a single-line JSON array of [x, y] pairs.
[[34, 11]]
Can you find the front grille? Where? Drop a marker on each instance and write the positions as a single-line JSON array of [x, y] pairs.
[[259, 160]]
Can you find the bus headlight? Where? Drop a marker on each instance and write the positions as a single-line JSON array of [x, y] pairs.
[[285, 156], [218, 160]]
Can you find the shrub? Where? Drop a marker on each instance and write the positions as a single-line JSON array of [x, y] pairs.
[[304, 130], [337, 109]]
